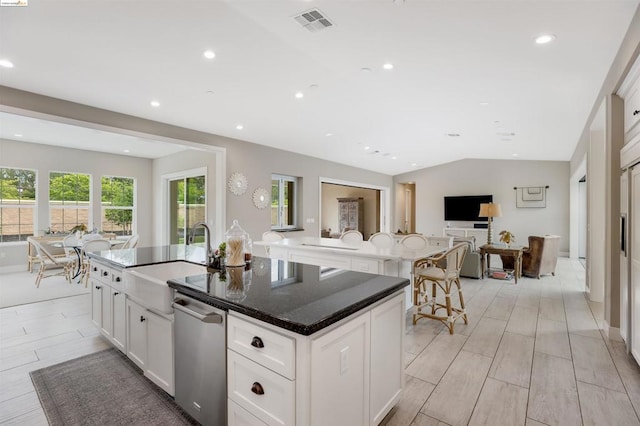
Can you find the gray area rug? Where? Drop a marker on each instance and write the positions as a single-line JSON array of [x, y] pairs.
[[104, 388]]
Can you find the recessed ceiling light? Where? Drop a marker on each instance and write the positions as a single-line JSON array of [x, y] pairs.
[[5, 63], [239, 127], [545, 38], [18, 135], [414, 164], [484, 103], [367, 148], [155, 104], [299, 95], [514, 155], [394, 158], [209, 54], [329, 135], [126, 150], [388, 66]]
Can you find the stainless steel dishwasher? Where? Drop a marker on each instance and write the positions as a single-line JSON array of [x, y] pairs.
[[201, 363]]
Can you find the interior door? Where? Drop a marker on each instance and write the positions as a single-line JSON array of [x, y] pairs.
[[634, 234]]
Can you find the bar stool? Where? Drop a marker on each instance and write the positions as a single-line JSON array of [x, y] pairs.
[[442, 271]]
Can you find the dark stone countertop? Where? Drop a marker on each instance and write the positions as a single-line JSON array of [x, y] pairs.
[[294, 296], [142, 256]]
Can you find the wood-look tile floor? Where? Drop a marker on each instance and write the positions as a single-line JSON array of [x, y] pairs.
[[532, 354]]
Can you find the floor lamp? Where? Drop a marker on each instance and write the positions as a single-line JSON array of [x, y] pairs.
[[490, 210]]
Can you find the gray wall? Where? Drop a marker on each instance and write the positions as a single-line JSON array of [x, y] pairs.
[[496, 177], [45, 158]]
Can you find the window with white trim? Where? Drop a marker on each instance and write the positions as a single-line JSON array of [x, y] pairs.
[[17, 204], [118, 205], [284, 199], [69, 201]]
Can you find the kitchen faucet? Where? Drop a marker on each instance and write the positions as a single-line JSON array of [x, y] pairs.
[[207, 240]]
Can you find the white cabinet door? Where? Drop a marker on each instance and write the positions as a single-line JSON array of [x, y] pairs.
[[624, 257], [387, 372], [634, 239], [160, 351], [106, 324], [118, 316], [136, 333], [340, 375], [96, 302]]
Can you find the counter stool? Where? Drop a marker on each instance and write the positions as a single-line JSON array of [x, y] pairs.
[[442, 271]]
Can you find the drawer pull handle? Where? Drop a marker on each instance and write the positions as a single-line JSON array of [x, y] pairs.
[[142, 319], [95, 269], [105, 273], [257, 388], [115, 294], [117, 279], [98, 287], [636, 112], [256, 342]]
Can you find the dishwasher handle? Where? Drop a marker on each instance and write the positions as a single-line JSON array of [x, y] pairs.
[[210, 318]]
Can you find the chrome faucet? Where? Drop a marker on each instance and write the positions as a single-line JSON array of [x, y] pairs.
[[207, 240]]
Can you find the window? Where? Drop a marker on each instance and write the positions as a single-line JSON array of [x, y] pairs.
[[187, 206], [283, 202], [69, 201], [17, 204], [118, 205]]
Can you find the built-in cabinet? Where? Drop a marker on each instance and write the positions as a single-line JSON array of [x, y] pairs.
[[108, 303], [351, 214], [350, 373], [150, 344], [630, 214]]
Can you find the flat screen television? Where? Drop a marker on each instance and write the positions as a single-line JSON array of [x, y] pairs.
[[465, 207]]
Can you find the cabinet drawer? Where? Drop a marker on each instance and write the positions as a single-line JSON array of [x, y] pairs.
[[116, 280], [371, 266], [238, 416], [267, 348], [632, 109], [265, 394]]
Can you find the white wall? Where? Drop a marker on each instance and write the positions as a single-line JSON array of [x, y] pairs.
[[45, 158], [496, 177], [595, 202]]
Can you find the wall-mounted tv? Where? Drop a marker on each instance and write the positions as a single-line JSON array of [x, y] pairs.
[[465, 207]]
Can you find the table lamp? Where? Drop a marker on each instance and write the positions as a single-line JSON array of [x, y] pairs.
[[490, 210]]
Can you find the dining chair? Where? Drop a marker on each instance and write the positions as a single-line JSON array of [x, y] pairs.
[[414, 242], [352, 237], [131, 242], [382, 240], [442, 271], [270, 237], [48, 261], [88, 247]]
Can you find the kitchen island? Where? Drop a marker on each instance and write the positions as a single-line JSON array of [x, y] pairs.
[[331, 340]]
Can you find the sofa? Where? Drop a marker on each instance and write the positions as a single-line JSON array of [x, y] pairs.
[[472, 265]]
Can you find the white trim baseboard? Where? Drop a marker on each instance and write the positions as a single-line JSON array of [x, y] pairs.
[[12, 268], [612, 333]]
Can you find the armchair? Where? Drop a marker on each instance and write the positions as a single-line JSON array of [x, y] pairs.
[[539, 258]]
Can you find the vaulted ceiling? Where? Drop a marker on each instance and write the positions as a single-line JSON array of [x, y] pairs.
[[468, 79]]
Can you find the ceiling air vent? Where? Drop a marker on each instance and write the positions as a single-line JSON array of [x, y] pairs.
[[313, 20]]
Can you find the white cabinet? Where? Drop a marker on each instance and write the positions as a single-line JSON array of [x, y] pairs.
[[150, 344], [340, 373], [634, 240], [349, 373], [107, 303]]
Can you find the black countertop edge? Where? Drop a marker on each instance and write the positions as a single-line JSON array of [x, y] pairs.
[[117, 265], [302, 329]]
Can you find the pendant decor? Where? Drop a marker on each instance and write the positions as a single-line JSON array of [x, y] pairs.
[[260, 198], [237, 183]]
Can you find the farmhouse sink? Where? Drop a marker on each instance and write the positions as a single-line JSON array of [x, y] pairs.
[[148, 284]]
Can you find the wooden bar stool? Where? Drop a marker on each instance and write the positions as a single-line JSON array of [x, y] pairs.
[[442, 271]]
